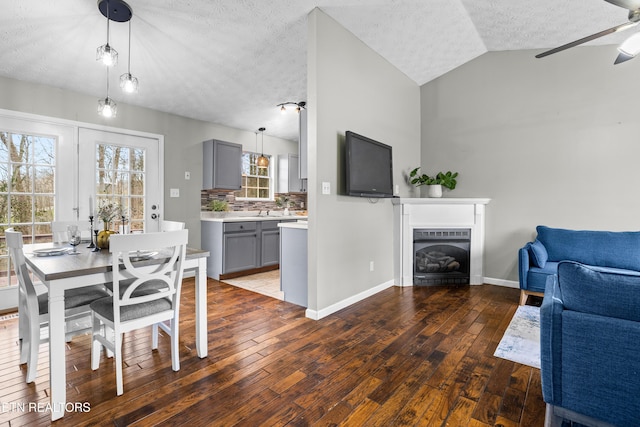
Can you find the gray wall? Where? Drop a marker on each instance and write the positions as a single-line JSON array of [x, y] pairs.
[[352, 88], [182, 138], [551, 141]]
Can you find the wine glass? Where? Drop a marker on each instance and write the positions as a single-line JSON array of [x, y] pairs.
[[73, 234]]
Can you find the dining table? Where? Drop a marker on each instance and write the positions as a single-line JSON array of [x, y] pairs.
[[63, 272]]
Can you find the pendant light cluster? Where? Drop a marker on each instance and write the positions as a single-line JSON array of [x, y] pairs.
[[116, 11]]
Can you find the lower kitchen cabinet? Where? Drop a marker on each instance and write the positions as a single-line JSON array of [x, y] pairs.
[[270, 244], [239, 246]]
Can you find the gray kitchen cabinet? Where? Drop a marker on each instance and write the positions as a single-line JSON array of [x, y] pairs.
[[270, 243], [240, 246], [222, 165], [293, 265], [289, 174]]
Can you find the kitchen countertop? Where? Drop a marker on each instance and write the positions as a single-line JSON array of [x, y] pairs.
[[240, 218], [304, 225]]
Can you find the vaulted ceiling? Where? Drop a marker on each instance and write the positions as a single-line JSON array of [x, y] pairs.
[[231, 61]]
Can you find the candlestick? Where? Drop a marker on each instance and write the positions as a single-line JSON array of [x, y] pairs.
[[91, 245], [96, 249]]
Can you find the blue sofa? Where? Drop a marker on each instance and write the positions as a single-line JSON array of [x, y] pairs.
[[589, 347], [537, 260]]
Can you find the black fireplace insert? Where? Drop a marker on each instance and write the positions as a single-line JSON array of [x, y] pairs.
[[441, 256]]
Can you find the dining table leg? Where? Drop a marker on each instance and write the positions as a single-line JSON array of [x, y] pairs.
[[57, 363], [201, 308]]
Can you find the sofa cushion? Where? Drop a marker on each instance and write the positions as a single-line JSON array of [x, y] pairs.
[[605, 293], [617, 249], [537, 277], [538, 254]]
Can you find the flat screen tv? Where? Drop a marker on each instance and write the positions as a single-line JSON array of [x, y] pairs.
[[369, 167]]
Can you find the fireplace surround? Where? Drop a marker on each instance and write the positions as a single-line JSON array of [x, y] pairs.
[[455, 219]]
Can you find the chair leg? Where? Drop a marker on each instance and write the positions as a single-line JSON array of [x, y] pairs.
[[23, 329], [32, 347], [154, 336], [523, 297], [551, 419], [95, 344], [117, 342], [109, 337], [175, 356]]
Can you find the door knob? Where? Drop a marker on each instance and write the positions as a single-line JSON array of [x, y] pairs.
[[154, 216]]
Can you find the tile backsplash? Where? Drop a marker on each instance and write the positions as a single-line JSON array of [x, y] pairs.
[[298, 201]]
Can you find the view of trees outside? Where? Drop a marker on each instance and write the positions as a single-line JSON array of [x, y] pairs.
[[27, 191], [121, 181], [256, 182]]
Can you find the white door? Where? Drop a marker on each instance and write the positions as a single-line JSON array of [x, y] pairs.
[[124, 170]]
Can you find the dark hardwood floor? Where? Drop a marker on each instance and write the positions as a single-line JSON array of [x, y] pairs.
[[404, 357]]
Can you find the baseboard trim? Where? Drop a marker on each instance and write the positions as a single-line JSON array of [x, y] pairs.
[[319, 314], [502, 282]]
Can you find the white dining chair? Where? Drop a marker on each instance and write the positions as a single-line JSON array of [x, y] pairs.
[[140, 305], [33, 308], [59, 230], [166, 225]]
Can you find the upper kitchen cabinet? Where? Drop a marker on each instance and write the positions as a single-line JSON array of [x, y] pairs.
[[222, 165], [289, 175]]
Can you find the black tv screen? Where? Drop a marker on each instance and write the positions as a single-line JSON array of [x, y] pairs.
[[369, 167]]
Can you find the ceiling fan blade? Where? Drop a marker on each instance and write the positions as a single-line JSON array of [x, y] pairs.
[[622, 57], [626, 4], [606, 32]]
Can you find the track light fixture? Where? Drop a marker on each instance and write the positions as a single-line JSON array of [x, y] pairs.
[[298, 106], [262, 160]]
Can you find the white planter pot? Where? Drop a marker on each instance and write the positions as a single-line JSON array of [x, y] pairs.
[[434, 190]]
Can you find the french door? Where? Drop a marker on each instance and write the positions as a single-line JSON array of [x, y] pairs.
[[124, 171], [53, 169]]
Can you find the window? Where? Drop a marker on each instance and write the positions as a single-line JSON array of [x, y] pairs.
[[256, 180], [120, 180], [27, 190]]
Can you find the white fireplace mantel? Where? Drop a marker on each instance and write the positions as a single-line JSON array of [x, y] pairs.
[[412, 213]]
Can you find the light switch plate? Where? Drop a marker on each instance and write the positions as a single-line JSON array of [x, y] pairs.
[[187, 175], [174, 192], [326, 188]]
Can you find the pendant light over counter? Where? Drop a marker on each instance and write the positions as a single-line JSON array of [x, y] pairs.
[[262, 160], [116, 11]]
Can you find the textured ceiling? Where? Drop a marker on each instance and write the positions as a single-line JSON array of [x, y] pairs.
[[231, 61]]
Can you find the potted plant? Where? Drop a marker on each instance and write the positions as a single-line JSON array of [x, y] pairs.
[[219, 207], [284, 201], [107, 212], [434, 183]]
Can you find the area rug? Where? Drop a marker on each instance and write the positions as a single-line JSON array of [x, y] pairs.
[[521, 340]]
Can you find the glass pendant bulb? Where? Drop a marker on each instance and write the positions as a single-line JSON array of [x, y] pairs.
[[107, 54], [128, 83], [107, 107]]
